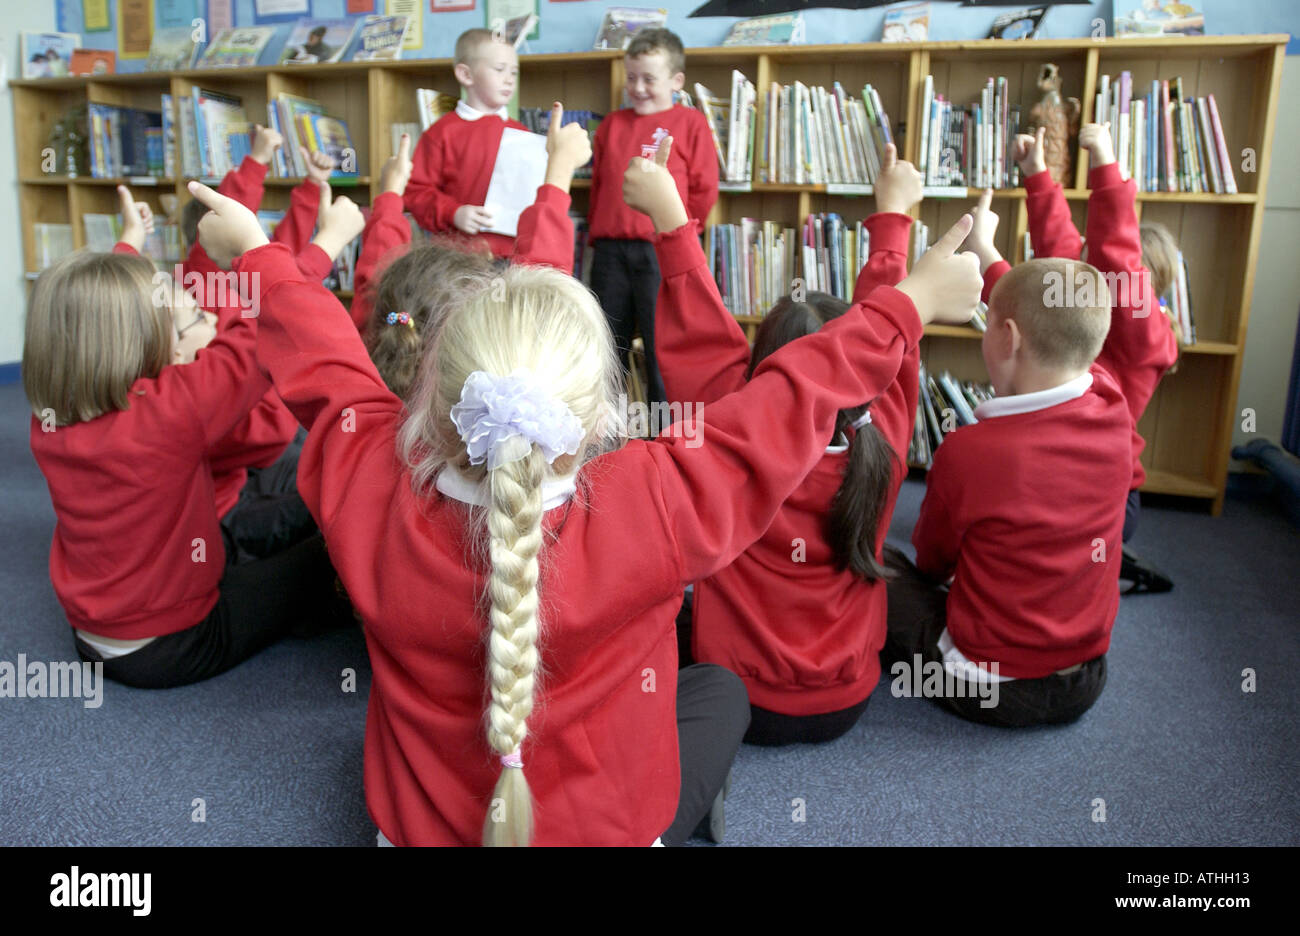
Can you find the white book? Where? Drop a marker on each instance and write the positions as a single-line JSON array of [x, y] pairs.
[[519, 170], [927, 99]]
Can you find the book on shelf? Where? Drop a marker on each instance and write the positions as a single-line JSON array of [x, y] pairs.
[[819, 136], [1164, 140], [969, 145], [732, 124], [910, 23], [379, 39], [303, 122], [221, 132], [162, 245], [944, 404], [1143, 19], [717, 110], [519, 28], [320, 133], [92, 62], [621, 23], [1178, 303], [172, 48], [124, 141], [432, 105], [317, 41], [51, 242], [47, 54], [582, 248], [538, 120], [1017, 24], [775, 29], [240, 47]]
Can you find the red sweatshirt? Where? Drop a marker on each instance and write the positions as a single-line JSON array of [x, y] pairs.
[[1020, 507], [1140, 345], [452, 166], [601, 753], [805, 638], [545, 238], [693, 162], [137, 549]]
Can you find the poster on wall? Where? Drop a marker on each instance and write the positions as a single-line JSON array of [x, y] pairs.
[[220, 16], [94, 15], [450, 6], [497, 13], [361, 6], [134, 28], [172, 14], [279, 11], [413, 10], [764, 7]]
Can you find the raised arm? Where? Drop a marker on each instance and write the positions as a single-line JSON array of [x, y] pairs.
[[545, 232], [1051, 229], [898, 187]]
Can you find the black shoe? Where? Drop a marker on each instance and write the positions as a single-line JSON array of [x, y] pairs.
[[1145, 577]]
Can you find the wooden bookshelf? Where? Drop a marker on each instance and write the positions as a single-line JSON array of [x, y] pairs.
[[1188, 425]]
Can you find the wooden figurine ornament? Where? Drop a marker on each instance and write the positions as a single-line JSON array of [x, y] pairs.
[[1061, 118]]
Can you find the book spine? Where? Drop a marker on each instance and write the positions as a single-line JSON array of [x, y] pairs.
[[1171, 159], [1221, 145]]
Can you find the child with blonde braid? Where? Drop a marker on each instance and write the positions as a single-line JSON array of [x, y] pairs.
[[490, 502]]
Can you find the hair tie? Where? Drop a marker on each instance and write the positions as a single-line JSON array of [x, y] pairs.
[[403, 318], [500, 419], [863, 420], [512, 760]]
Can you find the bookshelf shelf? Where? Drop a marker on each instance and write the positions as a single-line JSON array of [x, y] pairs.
[[1188, 426], [273, 182]]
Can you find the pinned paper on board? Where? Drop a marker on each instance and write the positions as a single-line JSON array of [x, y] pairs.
[[520, 169]]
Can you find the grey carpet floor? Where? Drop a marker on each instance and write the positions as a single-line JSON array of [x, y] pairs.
[[1174, 751]]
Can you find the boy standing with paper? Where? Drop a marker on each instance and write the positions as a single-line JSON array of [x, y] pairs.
[[624, 271], [454, 160]]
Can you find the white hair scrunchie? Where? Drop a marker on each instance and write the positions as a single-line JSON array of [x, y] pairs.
[[500, 419]]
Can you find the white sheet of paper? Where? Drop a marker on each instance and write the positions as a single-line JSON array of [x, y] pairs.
[[520, 168]]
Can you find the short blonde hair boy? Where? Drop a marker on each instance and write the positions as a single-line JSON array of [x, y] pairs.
[[1062, 308]]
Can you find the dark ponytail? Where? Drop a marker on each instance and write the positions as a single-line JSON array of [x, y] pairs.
[[859, 504]]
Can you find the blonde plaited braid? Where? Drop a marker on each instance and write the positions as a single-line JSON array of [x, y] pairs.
[[514, 523]]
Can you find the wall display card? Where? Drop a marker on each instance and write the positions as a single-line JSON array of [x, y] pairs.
[[94, 15], [413, 10], [134, 28]]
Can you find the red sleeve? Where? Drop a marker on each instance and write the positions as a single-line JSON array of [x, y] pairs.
[[754, 447], [296, 228], [1140, 345], [1051, 229], [936, 536], [244, 184], [702, 173], [314, 263], [122, 247], [994, 273], [386, 230], [887, 257], [701, 349], [545, 233], [258, 440], [423, 198]]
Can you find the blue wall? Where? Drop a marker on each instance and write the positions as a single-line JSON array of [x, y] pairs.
[[571, 26]]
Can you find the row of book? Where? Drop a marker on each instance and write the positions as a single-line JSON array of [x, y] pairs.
[[969, 145], [816, 136], [102, 231], [1164, 140], [732, 121], [943, 405], [124, 141], [303, 123]]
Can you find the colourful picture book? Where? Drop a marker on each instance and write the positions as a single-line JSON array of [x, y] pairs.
[[777, 29], [171, 49], [92, 62], [316, 41], [47, 55], [380, 39], [236, 48], [321, 133], [909, 23], [1140, 18], [1019, 24]]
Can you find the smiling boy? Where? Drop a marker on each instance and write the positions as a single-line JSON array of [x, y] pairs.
[[453, 162], [624, 272]]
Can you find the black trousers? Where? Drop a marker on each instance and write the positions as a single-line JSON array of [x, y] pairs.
[[625, 278], [770, 728], [260, 602], [1132, 510], [917, 616], [269, 515], [712, 715]]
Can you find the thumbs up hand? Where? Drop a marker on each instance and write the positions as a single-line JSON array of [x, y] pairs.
[[648, 187]]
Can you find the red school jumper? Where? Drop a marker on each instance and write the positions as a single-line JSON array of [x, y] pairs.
[[1140, 346], [1027, 509], [137, 549], [804, 636], [692, 161], [601, 753], [452, 166]]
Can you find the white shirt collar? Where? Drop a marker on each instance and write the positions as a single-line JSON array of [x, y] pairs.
[[455, 485], [465, 112], [1039, 399]]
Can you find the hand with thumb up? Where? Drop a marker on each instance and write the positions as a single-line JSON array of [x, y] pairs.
[[648, 187]]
